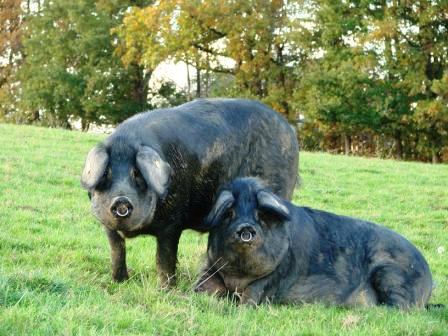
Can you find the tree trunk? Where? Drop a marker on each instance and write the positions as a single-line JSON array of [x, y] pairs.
[[435, 156], [398, 147], [140, 81], [35, 116], [207, 83], [188, 81], [84, 125], [207, 77], [198, 82], [347, 144]]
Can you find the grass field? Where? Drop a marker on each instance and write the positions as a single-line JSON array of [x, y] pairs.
[[54, 257]]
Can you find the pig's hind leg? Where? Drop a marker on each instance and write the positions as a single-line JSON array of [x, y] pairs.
[[394, 286]]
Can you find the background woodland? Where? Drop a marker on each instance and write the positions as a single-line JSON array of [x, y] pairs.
[[356, 77]]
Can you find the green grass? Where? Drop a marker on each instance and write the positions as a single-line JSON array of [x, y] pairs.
[[54, 257]]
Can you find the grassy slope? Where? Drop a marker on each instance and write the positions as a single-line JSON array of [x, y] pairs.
[[54, 262]]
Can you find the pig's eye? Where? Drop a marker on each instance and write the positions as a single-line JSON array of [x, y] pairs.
[[138, 178], [105, 179], [229, 214], [106, 174], [267, 218]]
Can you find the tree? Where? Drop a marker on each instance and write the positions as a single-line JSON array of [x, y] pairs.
[[11, 29], [254, 41], [414, 61], [337, 92], [379, 66], [71, 70]]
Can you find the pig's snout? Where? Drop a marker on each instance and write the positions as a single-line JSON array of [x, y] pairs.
[[121, 207], [245, 233]]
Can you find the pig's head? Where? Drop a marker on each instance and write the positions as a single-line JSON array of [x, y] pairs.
[[124, 183], [248, 236]]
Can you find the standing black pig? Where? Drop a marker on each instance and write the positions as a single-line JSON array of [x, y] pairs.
[[158, 172], [266, 249]]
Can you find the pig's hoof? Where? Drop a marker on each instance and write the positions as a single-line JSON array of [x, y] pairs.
[[213, 288], [167, 281], [198, 289], [120, 276]]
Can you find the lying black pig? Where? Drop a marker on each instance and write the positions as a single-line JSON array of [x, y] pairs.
[[265, 249], [158, 172]]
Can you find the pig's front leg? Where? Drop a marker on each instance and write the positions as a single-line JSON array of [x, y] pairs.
[[255, 292], [167, 244], [118, 255], [210, 281]]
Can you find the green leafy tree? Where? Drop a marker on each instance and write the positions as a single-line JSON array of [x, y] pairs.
[[71, 70], [414, 38], [338, 93], [379, 67], [254, 41]]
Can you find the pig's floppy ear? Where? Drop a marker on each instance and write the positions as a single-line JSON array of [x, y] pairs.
[[95, 166], [154, 169], [223, 203], [268, 201]]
